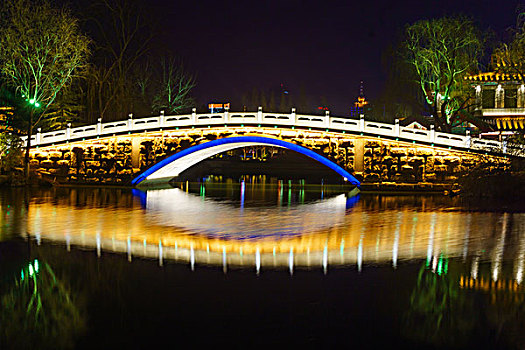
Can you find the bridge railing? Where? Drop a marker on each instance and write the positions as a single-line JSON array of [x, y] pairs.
[[357, 126]]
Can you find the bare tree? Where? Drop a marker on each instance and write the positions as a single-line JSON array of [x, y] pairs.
[[42, 49], [511, 56], [123, 38], [173, 86]]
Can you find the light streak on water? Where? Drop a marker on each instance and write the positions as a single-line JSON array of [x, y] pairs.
[[430, 248], [257, 261]]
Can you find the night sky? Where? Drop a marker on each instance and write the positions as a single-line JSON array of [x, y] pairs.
[[326, 47]]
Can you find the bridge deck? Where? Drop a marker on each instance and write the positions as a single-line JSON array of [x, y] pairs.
[[293, 120]]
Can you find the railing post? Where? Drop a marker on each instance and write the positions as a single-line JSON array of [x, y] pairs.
[[130, 122], [161, 119], [397, 130], [259, 115], [68, 131], [432, 134], [226, 114], [99, 126], [38, 137], [194, 116], [327, 118], [293, 116], [468, 139], [362, 122]]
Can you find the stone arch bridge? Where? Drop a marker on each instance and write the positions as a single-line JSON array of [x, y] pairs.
[[127, 152]]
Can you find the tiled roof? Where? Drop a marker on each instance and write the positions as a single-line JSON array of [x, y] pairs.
[[494, 76]]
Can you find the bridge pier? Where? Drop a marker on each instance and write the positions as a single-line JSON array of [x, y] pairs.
[[359, 155], [135, 152]]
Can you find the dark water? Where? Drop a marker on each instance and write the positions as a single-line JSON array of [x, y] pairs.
[[255, 264]]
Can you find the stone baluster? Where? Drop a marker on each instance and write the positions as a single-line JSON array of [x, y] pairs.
[[38, 137], [226, 114], [327, 118], [99, 126], [467, 142], [130, 122], [68, 131], [293, 117], [194, 116], [432, 134], [161, 119], [259, 115], [362, 122], [397, 129]]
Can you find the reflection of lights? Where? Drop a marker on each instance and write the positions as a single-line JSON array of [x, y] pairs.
[[160, 253], [521, 253], [257, 261], [128, 241], [325, 259], [243, 185], [192, 258], [498, 251], [290, 261], [431, 238], [360, 254], [98, 244], [224, 266], [475, 267], [396, 240], [467, 237]]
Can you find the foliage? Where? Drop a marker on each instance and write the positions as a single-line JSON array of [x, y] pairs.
[[171, 87], [10, 151], [39, 309], [510, 56], [441, 52], [42, 49], [439, 312]]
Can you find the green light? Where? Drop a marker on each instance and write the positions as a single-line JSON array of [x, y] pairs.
[[440, 266], [37, 104], [36, 265], [22, 275], [31, 271], [32, 101]]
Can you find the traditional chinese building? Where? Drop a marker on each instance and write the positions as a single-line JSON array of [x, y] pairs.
[[360, 104], [500, 100]]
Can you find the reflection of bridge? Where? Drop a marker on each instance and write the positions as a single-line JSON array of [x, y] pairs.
[[116, 152], [349, 238]]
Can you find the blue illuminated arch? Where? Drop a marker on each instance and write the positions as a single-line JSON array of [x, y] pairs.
[[221, 145]]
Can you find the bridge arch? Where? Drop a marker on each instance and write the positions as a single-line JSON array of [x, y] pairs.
[[177, 163]]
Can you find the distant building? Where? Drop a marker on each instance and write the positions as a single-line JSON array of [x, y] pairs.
[[218, 107], [359, 105], [500, 100]]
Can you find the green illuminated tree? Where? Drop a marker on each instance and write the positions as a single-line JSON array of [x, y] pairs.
[[441, 52], [39, 311], [173, 85], [42, 51]]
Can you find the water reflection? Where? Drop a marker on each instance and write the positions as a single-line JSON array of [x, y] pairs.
[[467, 282], [212, 228], [39, 310]]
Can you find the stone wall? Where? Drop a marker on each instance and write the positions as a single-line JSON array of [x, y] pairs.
[[116, 160]]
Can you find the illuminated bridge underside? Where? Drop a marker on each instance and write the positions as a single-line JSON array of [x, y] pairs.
[[174, 165]]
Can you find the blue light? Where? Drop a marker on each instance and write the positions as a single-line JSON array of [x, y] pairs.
[[252, 139]]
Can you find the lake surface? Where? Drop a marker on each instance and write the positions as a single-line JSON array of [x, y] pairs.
[[255, 264]]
